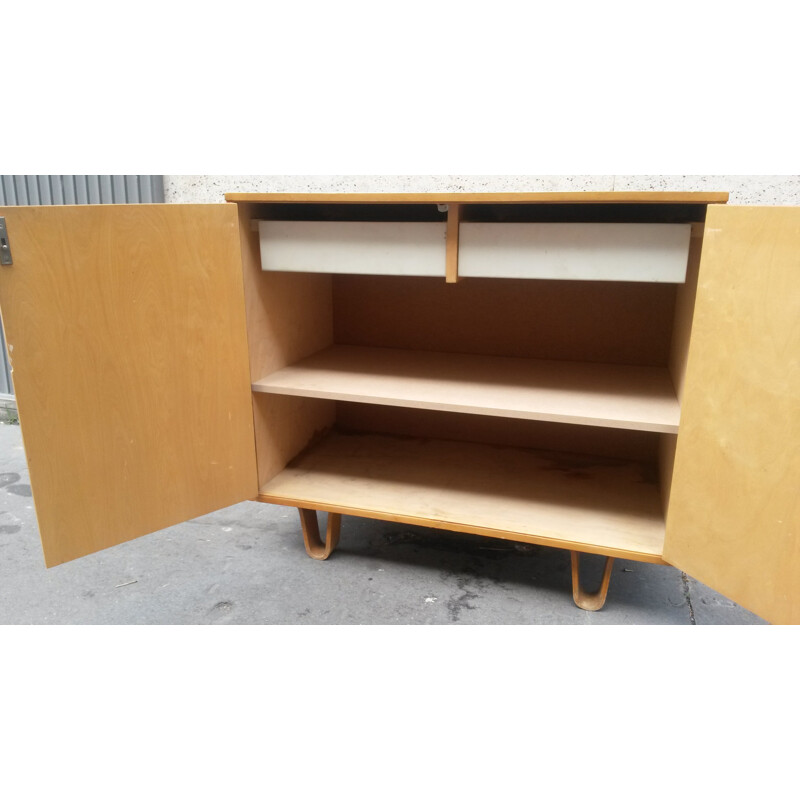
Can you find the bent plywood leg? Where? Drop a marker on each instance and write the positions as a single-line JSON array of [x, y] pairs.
[[585, 600], [314, 546]]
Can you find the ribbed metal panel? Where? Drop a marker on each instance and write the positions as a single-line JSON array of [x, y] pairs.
[[5, 371], [60, 190]]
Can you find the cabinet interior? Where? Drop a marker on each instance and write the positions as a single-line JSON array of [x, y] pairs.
[[377, 424]]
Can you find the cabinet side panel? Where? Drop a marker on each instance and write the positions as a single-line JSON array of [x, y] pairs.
[[289, 317], [684, 312], [734, 514], [127, 337], [285, 426], [679, 351], [667, 442]]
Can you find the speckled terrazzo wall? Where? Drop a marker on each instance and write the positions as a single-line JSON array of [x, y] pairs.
[[744, 189]]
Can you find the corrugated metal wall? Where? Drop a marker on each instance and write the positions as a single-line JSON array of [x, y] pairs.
[[5, 372], [60, 190]]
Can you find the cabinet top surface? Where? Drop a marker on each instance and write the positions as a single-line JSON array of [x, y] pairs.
[[481, 197]]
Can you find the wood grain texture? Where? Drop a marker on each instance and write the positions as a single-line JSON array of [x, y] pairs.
[[592, 505], [590, 601], [289, 317], [127, 337], [734, 513], [479, 197], [315, 547], [685, 295], [679, 351], [612, 323], [453, 228], [667, 443], [605, 395]]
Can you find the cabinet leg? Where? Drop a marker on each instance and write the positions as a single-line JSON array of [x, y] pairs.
[[314, 546], [585, 600]]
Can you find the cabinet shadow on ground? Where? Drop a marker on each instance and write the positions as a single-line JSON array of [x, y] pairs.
[[497, 572]]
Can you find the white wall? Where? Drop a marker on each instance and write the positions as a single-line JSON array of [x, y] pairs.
[[744, 189]]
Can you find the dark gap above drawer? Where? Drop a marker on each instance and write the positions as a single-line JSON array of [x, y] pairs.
[[507, 212], [351, 212]]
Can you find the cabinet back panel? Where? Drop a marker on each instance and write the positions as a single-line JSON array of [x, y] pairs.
[[607, 442], [617, 323]]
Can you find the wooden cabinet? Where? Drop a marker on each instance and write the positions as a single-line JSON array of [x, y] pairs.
[[610, 373]]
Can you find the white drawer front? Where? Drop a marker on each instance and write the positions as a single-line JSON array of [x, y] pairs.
[[360, 248], [574, 251]]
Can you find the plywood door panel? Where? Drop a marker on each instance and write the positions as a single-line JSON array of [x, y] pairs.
[[733, 520], [127, 337]]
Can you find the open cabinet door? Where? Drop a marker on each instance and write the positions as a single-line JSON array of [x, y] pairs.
[[734, 512], [126, 333]]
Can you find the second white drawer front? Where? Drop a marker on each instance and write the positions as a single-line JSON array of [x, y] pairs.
[[359, 248], [574, 251]]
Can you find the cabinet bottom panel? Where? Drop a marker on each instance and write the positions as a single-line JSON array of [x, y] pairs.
[[584, 503]]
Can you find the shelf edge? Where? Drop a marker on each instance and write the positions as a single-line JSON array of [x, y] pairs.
[[597, 422], [495, 533]]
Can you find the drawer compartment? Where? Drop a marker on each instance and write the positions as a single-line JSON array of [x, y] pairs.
[[358, 248], [655, 253]]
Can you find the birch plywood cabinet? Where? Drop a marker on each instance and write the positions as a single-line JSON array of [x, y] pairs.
[[607, 373]]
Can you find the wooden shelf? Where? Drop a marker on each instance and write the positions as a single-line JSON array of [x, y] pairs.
[[580, 503], [604, 395]]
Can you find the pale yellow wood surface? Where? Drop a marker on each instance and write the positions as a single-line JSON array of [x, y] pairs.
[[590, 601], [679, 351], [684, 312], [479, 197], [289, 317], [586, 504], [127, 338], [667, 443], [453, 227], [734, 513], [606, 395]]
